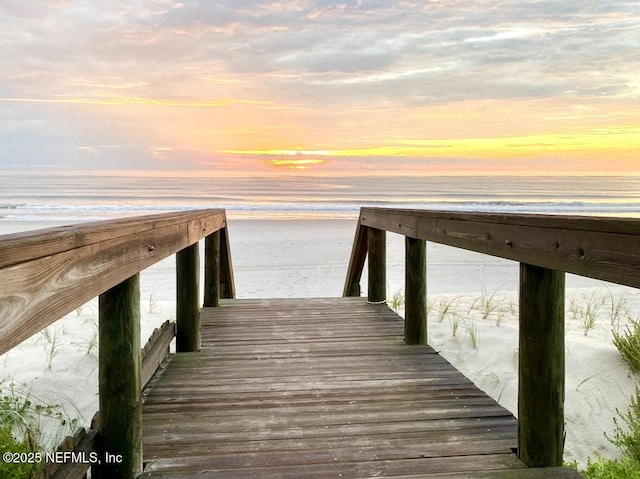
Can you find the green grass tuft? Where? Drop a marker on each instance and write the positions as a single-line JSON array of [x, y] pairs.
[[626, 433], [9, 443], [612, 469], [628, 343], [397, 301], [626, 437], [21, 416]]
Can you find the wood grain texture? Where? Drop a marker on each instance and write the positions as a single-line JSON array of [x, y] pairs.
[[316, 388], [600, 248], [188, 331], [377, 265], [415, 291], [212, 270], [543, 473], [356, 262], [541, 366], [83, 442], [21, 247], [156, 350], [43, 281], [119, 383], [227, 282]]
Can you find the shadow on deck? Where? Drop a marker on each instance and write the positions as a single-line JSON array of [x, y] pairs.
[[317, 388]]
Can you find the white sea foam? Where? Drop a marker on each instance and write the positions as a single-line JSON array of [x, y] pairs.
[[30, 197]]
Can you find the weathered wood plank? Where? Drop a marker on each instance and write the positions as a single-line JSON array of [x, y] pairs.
[[342, 451], [18, 248], [352, 470], [237, 403], [356, 263], [541, 367], [415, 309], [212, 270], [156, 350], [167, 398], [304, 415], [315, 349], [83, 442], [310, 434], [119, 379], [227, 282], [499, 438], [377, 265], [271, 406], [37, 292], [188, 330], [538, 473], [546, 473], [574, 244], [307, 364]]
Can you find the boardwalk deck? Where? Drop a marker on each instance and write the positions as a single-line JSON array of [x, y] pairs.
[[319, 388]]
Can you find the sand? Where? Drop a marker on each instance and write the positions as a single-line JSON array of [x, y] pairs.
[[473, 294]]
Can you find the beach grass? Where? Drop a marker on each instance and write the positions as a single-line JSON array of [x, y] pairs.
[[153, 303], [51, 341], [628, 343], [624, 468], [626, 437], [397, 301], [626, 434], [23, 419], [617, 306], [597, 315], [472, 331]]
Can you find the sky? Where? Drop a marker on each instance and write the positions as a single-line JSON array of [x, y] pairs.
[[355, 87]]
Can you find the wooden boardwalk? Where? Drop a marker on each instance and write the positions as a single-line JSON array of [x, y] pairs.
[[318, 388]]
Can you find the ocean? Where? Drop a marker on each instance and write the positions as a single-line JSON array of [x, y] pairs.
[[35, 196]]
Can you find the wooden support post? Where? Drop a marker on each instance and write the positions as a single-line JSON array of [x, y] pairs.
[[227, 285], [355, 290], [187, 307], [541, 367], [377, 253], [356, 263], [212, 270], [415, 293], [119, 380]]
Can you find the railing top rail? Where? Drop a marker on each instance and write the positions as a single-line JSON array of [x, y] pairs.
[[606, 224], [26, 246], [49, 273], [597, 247]]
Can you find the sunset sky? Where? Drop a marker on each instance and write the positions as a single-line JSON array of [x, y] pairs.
[[321, 87]]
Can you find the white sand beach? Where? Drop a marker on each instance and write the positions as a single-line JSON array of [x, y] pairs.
[[472, 321]]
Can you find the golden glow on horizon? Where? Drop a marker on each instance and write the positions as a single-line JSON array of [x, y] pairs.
[[302, 164], [622, 142], [291, 152], [236, 136]]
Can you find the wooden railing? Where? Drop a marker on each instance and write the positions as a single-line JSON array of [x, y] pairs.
[[48, 273], [546, 247]]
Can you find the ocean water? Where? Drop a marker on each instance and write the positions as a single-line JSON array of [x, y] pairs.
[[37, 196]]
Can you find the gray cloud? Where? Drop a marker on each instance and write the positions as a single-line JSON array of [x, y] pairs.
[[550, 41]]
